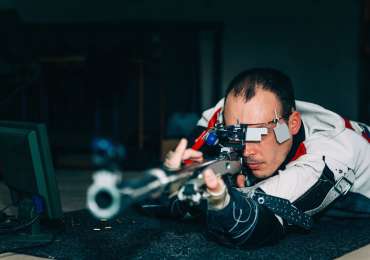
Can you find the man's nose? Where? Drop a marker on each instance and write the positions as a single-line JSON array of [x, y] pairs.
[[249, 149]]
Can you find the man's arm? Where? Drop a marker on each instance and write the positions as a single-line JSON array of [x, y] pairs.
[[243, 223], [232, 217], [236, 219], [164, 206]]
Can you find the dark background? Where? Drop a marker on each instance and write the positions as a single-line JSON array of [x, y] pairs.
[[123, 69]]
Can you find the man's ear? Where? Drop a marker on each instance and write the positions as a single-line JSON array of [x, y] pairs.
[[294, 122]]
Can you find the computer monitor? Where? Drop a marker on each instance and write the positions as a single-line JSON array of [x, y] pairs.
[[52, 195], [27, 170]]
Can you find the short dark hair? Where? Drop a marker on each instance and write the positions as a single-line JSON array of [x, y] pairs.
[[246, 82]]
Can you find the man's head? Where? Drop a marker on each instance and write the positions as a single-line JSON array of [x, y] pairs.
[[257, 97]]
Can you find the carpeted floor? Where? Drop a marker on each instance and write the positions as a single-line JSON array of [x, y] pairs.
[[134, 236]]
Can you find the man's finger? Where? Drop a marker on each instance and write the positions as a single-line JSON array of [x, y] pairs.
[[240, 181], [219, 197], [214, 184], [174, 158], [179, 152], [192, 154], [181, 147]]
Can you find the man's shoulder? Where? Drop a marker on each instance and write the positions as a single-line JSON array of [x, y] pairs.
[[347, 147], [319, 121], [328, 134]]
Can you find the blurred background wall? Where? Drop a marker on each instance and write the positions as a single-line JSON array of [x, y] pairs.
[[178, 56], [314, 41]]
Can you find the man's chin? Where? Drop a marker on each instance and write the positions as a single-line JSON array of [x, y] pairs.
[[260, 174], [259, 170]]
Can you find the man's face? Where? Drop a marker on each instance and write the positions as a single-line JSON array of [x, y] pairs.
[[264, 157]]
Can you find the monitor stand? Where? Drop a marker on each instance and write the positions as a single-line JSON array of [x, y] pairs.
[[31, 234]]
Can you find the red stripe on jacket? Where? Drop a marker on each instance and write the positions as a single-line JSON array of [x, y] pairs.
[[301, 150], [347, 124], [199, 141], [363, 133]]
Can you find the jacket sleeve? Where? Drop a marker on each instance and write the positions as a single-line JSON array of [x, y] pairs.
[[244, 223], [165, 206]]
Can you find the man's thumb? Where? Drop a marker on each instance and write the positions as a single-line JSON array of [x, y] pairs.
[[213, 183]]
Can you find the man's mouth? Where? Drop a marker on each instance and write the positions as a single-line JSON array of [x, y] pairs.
[[254, 165]]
